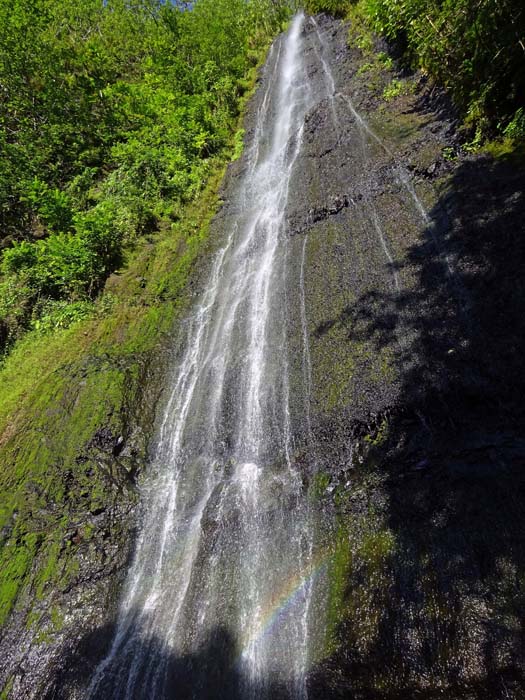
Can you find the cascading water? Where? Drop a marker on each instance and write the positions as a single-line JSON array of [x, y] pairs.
[[218, 597]]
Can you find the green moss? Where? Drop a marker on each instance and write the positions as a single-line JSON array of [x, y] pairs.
[[49, 570], [341, 375], [239, 144], [15, 564], [335, 356], [44, 637], [33, 618], [87, 531], [57, 390], [57, 619], [339, 570], [395, 128], [375, 548], [6, 690], [367, 68], [362, 551], [318, 485], [358, 578]]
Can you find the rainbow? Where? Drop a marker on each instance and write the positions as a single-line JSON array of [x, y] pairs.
[[284, 600]]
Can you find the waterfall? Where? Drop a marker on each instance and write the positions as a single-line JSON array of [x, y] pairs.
[[218, 597]]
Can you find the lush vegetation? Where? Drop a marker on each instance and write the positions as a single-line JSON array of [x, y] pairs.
[[59, 390], [112, 116], [337, 8], [475, 49]]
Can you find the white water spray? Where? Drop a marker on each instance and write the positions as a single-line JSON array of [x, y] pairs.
[[218, 592]]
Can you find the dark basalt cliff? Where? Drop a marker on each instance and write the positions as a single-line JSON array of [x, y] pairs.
[[411, 267], [415, 302]]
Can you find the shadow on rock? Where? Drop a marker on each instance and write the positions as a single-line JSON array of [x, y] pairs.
[[145, 669], [434, 605]]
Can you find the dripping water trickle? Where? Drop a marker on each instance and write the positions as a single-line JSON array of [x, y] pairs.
[[219, 592]]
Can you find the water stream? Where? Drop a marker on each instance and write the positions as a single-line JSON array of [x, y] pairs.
[[218, 598]]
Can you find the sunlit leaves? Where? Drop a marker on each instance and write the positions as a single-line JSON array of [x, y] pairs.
[[473, 48], [110, 115]]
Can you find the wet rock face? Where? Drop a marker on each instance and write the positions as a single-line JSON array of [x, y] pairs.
[[94, 528], [413, 297]]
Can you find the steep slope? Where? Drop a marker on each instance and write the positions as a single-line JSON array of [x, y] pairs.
[[414, 297], [75, 433], [405, 350]]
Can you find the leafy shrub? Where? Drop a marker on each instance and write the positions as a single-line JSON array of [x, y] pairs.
[[471, 48], [54, 315], [22, 256], [395, 88], [67, 264], [112, 114], [51, 205], [337, 8], [385, 60], [98, 234], [515, 129]]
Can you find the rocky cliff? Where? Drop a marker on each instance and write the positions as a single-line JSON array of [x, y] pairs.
[[406, 256], [414, 250]]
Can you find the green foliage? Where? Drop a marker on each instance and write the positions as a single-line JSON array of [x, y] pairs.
[[366, 68], [379, 436], [21, 256], [50, 204], [112, 116], [385, 60], [449, 154], [319, 485], [116, 121], [395, 88], [76, 371], [68, 264], [474, 49], [53, 315], [337, 8], [515, 129]]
